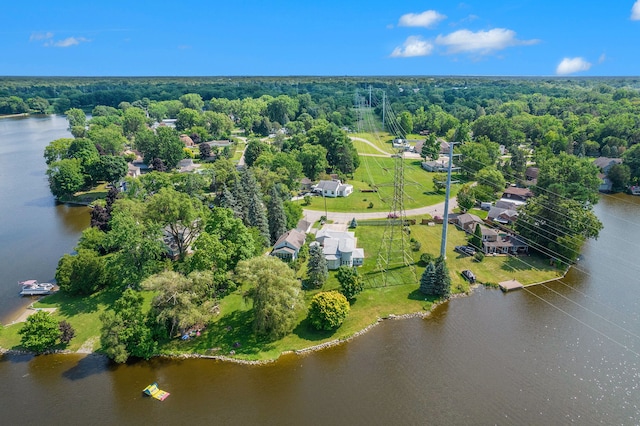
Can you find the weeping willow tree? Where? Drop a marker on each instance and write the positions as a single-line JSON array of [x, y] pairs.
[[182, 302]]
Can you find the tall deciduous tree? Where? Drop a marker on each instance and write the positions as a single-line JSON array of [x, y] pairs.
[[277, 297], [351, 283], [313, 159], [176, 306], [83, 273], [124, 332], [569, 176], [76, 117], [40, 332], [65, 177], [179, 215]]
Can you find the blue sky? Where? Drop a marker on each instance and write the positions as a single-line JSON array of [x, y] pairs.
[[329, 37]]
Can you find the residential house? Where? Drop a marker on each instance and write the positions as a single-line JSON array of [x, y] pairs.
[[499, 243], [401, 144], [339, 248], [531, 176], [439, 165], [133, 170], [517, 195], [305, 184], [333, 188], [187, 165], [506, 216], [304, 226], [605, 164], [288, 245], [187, 141], [467, 222]]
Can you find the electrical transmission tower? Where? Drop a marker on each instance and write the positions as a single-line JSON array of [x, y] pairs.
[[394, 248]]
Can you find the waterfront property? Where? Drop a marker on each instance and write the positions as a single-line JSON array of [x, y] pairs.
[[339, 248], [288, 245]]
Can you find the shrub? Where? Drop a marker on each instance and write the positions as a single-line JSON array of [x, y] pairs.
[[67, 332], [328, 310], [479, 256], [415, 245], [350, 281], [370, 205], [40, 332], [425, 258]]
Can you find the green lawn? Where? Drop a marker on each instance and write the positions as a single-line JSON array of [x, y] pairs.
[[493, 269], [88, 197], [365, 148], [381, 139], [379, 172]]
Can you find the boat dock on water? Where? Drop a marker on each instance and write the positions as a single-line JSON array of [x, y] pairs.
[[34, 288]]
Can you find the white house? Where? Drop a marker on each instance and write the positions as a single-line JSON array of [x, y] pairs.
[[333, 188], [339, 248]]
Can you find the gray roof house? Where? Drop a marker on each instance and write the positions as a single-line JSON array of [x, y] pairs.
[[439, 165], [288, 245], [333, 188], [467, 222], [605, 164], [339, 248], [501, 215]]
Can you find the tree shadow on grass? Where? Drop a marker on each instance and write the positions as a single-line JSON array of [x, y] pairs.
[[418, 295], [233, 332], [69, 305], [306, 331]]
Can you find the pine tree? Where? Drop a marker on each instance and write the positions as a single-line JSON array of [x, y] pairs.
[[317, 270], [256, 216], [277, 216], [240, 200], [443, 280], [428, 280], [476, 239], [230, 202]]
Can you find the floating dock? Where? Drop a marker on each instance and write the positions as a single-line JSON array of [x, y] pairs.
[[510, 285], [153, 391]]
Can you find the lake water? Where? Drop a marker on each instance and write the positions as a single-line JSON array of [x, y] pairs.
[[561, 353]]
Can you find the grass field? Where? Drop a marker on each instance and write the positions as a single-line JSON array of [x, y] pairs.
[[379, 173]]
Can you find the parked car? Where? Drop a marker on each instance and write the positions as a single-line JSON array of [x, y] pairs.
[[469, 276], [469, 251], [392, 216]]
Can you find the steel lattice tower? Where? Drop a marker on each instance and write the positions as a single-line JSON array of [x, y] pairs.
[[394, 247]]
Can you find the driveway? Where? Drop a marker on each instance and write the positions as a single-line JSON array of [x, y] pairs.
[[339, 217]]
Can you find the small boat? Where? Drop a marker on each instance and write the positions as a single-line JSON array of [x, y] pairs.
[[34, 288]]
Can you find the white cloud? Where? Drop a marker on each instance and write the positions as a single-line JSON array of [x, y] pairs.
[[635, 11], [40, 36], [426, 19], [67, 42], [602, 58], [482, 42], [572, 65], [413, 46]]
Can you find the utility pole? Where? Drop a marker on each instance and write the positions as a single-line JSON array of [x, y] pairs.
[[445, 216]]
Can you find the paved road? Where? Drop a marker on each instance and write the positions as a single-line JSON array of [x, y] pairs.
[[339, 217]]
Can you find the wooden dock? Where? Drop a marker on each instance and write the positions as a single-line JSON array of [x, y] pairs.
[[507, 286]]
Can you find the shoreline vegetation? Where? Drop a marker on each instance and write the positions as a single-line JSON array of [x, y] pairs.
[[171, 259], [228, 336], [423, 314]]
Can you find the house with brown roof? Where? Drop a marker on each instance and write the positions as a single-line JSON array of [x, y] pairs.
[[467, 222], [517, 195], [499, 243], [531, 175], [288, 245]]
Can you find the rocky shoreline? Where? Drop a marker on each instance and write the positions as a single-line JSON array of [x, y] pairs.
[[305, 351]]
